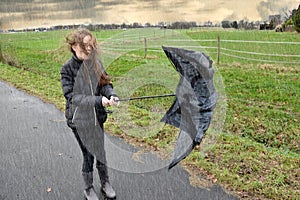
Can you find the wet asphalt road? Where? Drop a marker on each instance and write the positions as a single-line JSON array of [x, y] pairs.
[[40, 159]]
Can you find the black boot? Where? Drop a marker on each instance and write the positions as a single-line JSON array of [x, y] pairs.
[[89, 192], [106, 187]]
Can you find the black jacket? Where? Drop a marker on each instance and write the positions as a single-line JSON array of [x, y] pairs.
[[82, 94]]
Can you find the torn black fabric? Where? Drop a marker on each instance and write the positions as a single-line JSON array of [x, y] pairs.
[[195, 100]]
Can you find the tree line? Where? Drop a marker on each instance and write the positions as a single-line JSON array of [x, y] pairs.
[[291, 18]]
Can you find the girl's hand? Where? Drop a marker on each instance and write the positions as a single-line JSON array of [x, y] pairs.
[[105, 101], [114, 101]]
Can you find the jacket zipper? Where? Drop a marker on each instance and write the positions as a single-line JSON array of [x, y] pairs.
[[74, 114], [91, 87]]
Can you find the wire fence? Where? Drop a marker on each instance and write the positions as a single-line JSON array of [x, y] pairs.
[[222, 50], [262, 51]]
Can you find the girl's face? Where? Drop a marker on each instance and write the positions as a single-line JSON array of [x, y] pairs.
[[83, 51]]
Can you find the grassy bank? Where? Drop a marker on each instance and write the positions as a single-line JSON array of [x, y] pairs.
[[256, 155]]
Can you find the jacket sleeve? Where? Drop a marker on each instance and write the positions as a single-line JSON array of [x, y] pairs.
[[67, 82], [86, 100], [108, 91]]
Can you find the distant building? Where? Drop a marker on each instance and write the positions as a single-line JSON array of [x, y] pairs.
[[264, 26], [273, 23]]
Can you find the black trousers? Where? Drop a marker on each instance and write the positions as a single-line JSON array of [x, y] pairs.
[[88, 159]]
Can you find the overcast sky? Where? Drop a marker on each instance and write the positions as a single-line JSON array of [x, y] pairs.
[[194, 10], [141, 11]]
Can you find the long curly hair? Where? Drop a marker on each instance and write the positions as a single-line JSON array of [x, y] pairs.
[[77, 38]]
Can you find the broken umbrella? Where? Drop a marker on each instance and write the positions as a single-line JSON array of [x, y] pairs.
[[195, 100]]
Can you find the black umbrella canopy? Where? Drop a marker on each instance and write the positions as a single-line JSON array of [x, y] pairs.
[[196, 98]]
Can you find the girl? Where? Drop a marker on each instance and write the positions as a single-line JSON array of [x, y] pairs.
[[88, 91]]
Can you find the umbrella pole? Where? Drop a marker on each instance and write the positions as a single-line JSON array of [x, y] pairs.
[[147, 97]]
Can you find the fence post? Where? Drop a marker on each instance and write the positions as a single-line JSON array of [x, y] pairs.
[[218, 53], [145, 47], [2, 60]]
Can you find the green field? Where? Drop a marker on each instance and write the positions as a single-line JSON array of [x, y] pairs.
[[256, 131]]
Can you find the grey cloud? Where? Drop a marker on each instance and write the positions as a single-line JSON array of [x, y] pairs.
[[266, 8], [112, 2], [51, 5]]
